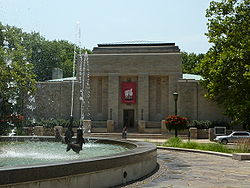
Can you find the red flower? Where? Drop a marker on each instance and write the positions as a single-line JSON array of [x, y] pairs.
[[176, 122], [12, 117]]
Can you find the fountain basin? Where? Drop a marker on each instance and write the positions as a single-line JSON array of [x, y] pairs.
[[102, 171]]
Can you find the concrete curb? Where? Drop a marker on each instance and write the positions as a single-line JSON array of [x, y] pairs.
[[196, 151]]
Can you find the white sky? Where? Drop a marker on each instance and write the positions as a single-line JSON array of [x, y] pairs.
[[103, 21]]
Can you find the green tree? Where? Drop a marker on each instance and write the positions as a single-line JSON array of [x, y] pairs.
[[226, 65], [16, 72], [190, 62], [46, 55], [43, 54]]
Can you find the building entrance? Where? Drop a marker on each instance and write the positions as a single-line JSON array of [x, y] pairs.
[[128, 119]]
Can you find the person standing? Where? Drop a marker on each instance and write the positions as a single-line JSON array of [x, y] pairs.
[[124, 132]]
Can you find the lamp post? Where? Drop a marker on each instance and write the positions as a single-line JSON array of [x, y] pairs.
[[141, 114], [175, 95], [110, 113]]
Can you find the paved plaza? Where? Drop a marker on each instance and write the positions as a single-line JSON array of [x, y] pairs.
[[184, 169]]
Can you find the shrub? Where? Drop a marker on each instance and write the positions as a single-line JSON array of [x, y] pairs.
[[5, 128], [220, 123], [8, 122], [201, 124], [49, 123]]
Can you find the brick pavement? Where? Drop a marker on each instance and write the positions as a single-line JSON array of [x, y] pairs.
[[184, 169]]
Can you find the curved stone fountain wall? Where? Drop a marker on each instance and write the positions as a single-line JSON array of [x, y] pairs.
[[104, 171]]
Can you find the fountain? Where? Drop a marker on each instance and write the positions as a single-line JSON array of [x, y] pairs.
[[100, 163]]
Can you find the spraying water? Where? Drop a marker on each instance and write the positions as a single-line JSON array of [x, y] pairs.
[[84, 89], [83, 81], [73, 84], [13, 132]]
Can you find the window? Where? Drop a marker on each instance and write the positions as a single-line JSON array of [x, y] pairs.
[[240, 134]]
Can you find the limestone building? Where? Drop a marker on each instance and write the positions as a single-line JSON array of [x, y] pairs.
[[131, 84]]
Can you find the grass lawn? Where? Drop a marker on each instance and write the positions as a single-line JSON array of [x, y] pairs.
[[217, 147]]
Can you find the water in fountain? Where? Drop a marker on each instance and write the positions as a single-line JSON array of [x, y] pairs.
[[26, 153]]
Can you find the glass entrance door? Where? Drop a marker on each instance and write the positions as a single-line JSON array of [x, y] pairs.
[[128, 119]]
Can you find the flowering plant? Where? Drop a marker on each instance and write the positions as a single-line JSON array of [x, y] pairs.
[[12, 117], [176, 123]]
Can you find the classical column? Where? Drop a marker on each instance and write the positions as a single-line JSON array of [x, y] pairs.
[[143, 96], [113, 97]]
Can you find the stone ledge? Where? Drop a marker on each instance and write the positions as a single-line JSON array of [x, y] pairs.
[[241, 156]]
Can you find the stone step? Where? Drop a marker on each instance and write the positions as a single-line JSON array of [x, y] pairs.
[[99, 130], [137, 135], [153, 130]]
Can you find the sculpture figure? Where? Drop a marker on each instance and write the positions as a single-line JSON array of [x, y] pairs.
[[67, 139], [77, 146]]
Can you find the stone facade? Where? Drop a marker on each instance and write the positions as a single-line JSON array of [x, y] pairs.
[[194, 105], [154, 68]]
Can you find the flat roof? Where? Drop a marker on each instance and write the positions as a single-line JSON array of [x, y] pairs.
[[191, 77], [137, 43], [184, 76], [62, 79], [133, 47]]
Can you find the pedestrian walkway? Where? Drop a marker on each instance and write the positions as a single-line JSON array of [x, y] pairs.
[[184, 169]]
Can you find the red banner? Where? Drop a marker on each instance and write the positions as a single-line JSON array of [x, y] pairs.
[[129, 92]]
